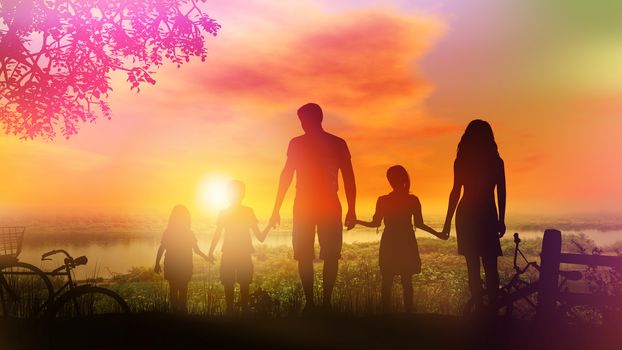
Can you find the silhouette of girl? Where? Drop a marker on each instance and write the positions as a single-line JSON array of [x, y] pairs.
[[178, 241], [399, 253], [479, 169]]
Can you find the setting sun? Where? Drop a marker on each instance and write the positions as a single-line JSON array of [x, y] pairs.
[[213, 192]]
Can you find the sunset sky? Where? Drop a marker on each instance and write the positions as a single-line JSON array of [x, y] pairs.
[[399, 80]]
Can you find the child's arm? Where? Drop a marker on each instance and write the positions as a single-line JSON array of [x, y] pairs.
[[372, 223], [198, 251], [157, 267], [215, 239], [375, 221], [264, 233], [261, 235], [418, 216]]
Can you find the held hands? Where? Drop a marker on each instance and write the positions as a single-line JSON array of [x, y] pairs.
[[444, 236], [350, 221], [264, 234], [275, 220], [210, 258], [441, 235]]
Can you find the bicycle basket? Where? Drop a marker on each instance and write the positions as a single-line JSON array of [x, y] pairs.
[[11, 239]]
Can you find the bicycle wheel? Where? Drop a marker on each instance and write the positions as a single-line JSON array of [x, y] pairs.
[[88, 301], [89, 312], [24, 290], [521, 299], [502, 308]]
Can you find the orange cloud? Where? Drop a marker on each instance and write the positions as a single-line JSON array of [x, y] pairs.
[[235, 113], [361, 66]]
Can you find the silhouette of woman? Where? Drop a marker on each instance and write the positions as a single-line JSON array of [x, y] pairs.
[[178, 241], [479, 169]]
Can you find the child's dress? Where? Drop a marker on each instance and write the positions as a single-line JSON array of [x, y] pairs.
[[399, 253], [178, 258]]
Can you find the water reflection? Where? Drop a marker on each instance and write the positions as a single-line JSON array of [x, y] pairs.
[[118, 253]]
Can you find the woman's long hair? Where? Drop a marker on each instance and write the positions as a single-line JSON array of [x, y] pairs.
[[179, 221], [399, 179], [477, 144]]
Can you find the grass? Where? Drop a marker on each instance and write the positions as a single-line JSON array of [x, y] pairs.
[[441, 288], [440, 293]]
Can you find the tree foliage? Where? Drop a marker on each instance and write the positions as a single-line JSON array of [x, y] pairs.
[[56, 56]]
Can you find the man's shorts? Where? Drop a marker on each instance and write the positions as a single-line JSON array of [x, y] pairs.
[[235, 268], [326, 217]]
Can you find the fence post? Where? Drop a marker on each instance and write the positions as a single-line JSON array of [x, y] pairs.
[[549, 273]]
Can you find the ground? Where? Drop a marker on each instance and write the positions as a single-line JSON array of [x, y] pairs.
[[420, 331]]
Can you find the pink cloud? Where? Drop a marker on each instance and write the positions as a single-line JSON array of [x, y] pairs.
[[355, 64]]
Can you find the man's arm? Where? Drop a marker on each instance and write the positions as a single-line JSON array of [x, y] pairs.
[[215, 239], [350, 187], [285, 180]]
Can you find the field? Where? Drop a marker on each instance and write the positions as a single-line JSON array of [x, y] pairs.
[[441, 288], [356, 320]]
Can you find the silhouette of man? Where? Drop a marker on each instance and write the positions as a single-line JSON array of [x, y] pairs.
[[316, 158]]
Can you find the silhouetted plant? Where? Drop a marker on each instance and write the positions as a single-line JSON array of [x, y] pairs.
[[56, 56]]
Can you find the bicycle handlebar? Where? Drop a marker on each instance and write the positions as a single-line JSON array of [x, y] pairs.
[[516, 242], [81, 260], [56, 251]]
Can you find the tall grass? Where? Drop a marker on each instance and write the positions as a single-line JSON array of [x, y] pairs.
[[440, 288]]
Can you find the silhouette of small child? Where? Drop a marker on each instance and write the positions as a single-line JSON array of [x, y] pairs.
[[178, 241], [399, 253], [236, 222]]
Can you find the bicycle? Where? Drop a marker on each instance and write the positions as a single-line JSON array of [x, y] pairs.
[[80, 300], [27, 292], [518, 290]]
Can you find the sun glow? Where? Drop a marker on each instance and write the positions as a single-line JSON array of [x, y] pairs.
[[213, 193]]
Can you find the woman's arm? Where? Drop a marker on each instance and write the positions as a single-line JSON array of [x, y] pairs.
[[501, 199], [454, 197], [157, 267]]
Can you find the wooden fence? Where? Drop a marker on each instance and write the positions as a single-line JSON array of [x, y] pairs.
[[549, 293]]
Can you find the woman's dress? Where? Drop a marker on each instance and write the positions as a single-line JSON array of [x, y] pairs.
[[477, 221]]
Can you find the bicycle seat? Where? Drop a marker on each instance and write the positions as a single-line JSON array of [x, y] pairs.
[[571, 275]]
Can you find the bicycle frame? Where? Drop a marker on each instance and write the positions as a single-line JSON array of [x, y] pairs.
[[67, 293], [517, 251], [64, 270]]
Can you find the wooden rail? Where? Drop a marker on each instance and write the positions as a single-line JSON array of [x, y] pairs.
[[551, 258]]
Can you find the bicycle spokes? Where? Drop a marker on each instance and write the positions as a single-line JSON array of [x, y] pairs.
[[25, 290]]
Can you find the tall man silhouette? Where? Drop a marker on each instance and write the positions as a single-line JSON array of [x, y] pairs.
[[316, 158]]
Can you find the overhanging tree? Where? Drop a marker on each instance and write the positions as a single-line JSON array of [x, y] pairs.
[[56, 56]]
